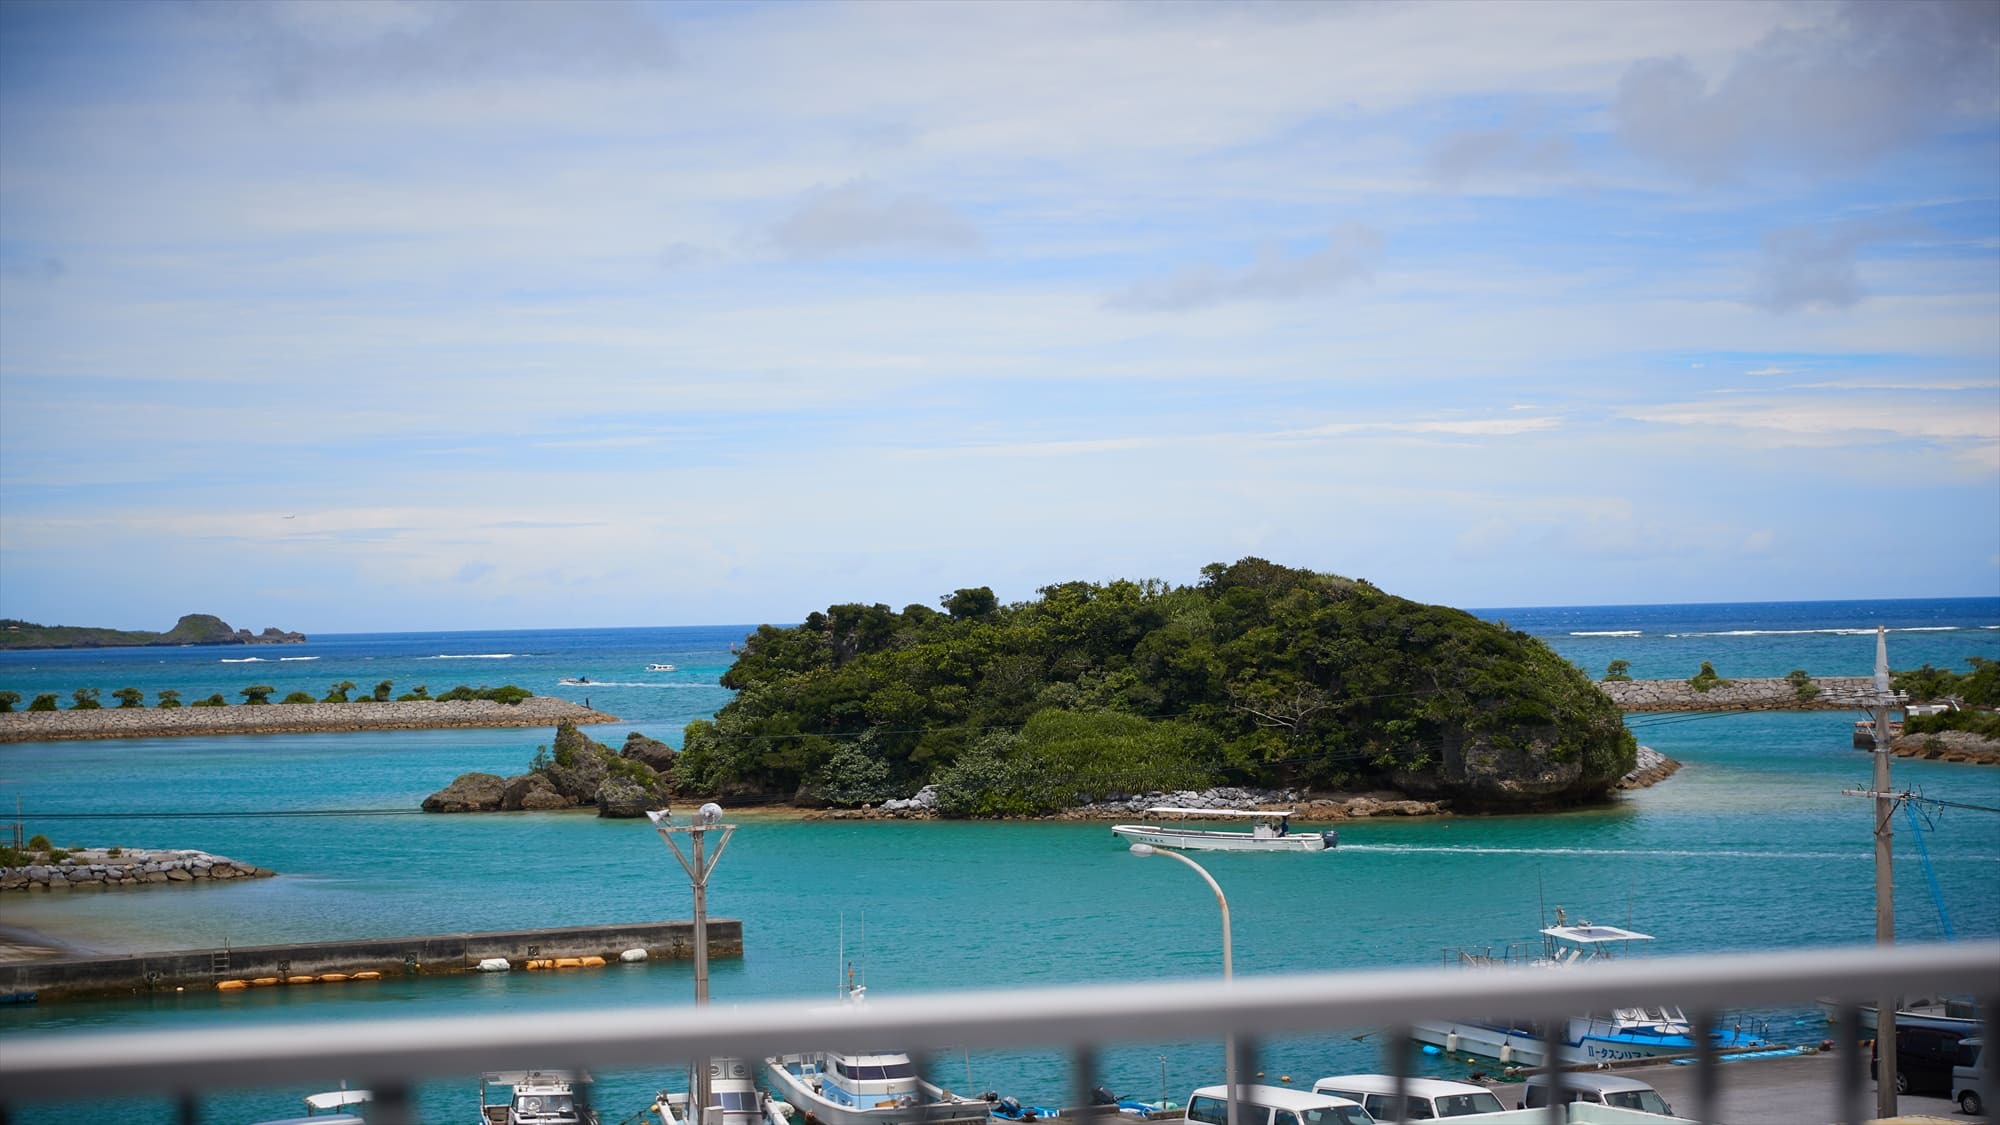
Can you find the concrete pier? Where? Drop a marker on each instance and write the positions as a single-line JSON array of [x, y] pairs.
[[306, 965]]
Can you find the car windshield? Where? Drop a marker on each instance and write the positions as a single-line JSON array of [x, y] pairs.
[[1335, 1115], [1646, 1101], [1458, 1105]]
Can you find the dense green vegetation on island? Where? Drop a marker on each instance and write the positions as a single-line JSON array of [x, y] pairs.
[[191, 629], [1258, 675]]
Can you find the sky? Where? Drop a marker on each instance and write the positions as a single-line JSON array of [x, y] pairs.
[[382, 316]]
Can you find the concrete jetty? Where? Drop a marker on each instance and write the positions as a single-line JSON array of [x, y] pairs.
[[292, 718], [336, 963]]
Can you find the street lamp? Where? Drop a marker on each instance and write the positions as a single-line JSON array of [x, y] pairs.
[[1228, 973], [698, 866]]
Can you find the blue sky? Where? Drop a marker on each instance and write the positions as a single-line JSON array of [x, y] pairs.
[[375, 316]]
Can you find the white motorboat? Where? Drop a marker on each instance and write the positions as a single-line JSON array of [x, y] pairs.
[[659, 667], [733, 1099], [1270, 831], [535, 1097], [1660, 1031], [331, 1108], [866, 1088], [1930, 1011]]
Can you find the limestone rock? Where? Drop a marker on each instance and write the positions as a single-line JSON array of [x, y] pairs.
[[471, 792], [624, 798], [650, 751]]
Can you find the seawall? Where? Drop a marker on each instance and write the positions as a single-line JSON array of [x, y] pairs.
[[292, 718], [97, 869], [1836, 693], [302, 965]]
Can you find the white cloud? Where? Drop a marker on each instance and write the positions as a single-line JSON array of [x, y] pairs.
[[862, 216], [1348, 255]]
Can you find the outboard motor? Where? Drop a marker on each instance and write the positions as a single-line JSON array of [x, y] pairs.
[[1331, 837], [1010, 1106], [1102, 1095]]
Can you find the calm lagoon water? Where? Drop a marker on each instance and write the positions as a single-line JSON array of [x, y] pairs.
[[1751, 846]]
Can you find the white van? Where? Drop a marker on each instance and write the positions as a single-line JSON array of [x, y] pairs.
[[1423, 1098], [1273, 1105], [1604, 1089], [1968, 1085]]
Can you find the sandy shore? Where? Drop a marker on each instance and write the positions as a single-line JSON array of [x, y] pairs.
[[291, 718]]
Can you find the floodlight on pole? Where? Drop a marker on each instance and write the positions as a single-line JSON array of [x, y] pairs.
[[1228, 972], [698, 863]]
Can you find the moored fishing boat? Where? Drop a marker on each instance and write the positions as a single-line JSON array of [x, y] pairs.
[[1623, 1034], [1946, 1012], [837, 1087], [733, 1099], [535, 1097], [1270, 831]]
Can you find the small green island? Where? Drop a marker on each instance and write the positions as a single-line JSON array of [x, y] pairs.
[[191, 629], [1259, 675]]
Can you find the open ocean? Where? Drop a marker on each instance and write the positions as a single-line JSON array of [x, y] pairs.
[[1751, 846]]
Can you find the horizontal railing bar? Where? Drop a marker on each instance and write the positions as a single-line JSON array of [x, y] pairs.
[[151, 1063]]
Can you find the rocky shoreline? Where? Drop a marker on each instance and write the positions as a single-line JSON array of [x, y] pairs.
[[292, 718], [1651, 768], [98, 868]]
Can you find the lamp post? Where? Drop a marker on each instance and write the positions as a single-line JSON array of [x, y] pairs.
[[1228, 972], [698, 866]]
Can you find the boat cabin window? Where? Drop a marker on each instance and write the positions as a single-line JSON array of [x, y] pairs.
[[874, 1073], [735, 1101], [550, 1106]]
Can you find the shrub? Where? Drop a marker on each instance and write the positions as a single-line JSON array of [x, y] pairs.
[[338, 692], [257, 695], [1706, 678], [44, 702], [382, 691], [114, 851], [215, 700], [299, 697], [8, 699], [39, 843], [170, 698], [1802, 684], [85, 699], [1618, 671], [129, 697]]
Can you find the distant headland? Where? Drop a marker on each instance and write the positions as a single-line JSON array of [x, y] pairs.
[[191, 629]]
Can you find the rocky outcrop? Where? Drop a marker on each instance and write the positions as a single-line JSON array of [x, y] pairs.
[[624, 798], [469, 792], [1652, 768], [1948, 746], [651, 751], [579, 774], [100, 868]]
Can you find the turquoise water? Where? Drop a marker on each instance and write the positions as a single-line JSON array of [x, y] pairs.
[[1751, 846]]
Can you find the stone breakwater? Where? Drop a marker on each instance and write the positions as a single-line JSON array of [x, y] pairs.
[[1836, 693], [291, 718], [96, 868]]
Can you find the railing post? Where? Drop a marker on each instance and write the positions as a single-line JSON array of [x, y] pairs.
[[1083, 1078], [1401, 1051], [390, 1105], [1707, 1064], [1852, 1065]]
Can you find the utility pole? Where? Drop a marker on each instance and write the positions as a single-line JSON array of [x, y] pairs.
[[1885, 879], [698, 866]]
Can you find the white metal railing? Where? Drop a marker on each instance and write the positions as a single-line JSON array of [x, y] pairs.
[[389, 1056]]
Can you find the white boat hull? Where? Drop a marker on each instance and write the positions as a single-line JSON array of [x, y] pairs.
[[1587, 1041], [929, 1105], [1197, 840]]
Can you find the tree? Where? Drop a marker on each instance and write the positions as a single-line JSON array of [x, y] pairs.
[[129, 697], [1926, 683], [382, 691], [1618, 671], [1706, 678], [967, 604], [257, 695], [8, 699], [46, 701], [416, 694], [338, 692], [215, 700], [299, 697], [85, 699], [169, 698], [1802, 685]]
